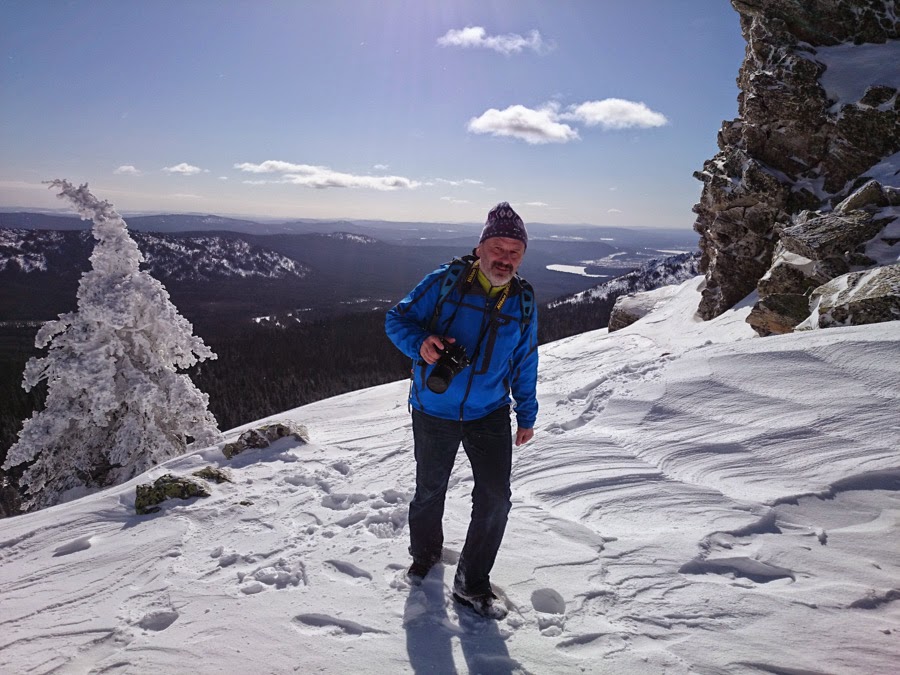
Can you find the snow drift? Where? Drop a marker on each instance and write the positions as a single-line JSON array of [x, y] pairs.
[[696, 499]]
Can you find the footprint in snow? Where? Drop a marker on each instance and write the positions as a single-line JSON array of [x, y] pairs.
[[322, 623], [551, 611], [352, 519], [74, 546], [387, 525], [156, 617], [226, 558], [280, 575], [342, 502], [341, 467], [158, 621], [305, 480], [349, 569]]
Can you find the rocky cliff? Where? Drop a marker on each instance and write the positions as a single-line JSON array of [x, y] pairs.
[[806, 186]]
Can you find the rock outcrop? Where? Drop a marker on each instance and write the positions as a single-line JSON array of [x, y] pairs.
[[263, 436], [635, 306], [149, 496], [806, 182], [872, 296]]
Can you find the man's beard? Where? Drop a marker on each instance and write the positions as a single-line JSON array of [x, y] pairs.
[[499, 275]]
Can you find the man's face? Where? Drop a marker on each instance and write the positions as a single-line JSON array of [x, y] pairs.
[[500, 258]]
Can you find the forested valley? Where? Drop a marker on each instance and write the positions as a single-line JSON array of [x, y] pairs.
[[263, 370]]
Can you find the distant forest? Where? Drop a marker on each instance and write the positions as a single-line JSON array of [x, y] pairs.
[[261, 371]]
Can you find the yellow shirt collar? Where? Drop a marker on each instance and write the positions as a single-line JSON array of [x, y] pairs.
[[492, 291]]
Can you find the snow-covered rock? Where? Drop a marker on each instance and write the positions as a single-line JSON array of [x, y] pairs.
[[819, 117]]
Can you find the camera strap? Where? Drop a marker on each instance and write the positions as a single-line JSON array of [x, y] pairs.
[[491, 321]]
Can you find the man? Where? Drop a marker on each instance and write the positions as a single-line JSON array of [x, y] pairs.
[[481, 305]]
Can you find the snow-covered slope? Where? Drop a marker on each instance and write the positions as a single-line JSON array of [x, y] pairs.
[[696, 499]]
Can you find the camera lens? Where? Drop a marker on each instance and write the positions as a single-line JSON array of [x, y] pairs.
[[452, 361], [439, 379]]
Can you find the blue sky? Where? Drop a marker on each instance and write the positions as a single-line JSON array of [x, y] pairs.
[[575, 111]]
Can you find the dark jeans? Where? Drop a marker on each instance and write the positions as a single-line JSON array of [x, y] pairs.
[[488, 445]]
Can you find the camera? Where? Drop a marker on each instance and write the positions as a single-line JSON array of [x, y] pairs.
[[452, 361]]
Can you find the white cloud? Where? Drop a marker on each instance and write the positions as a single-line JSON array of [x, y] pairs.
[[184, 195], [537, 204], [381, 167], [532, 126], [455, 201], [459, 183], [223, 177], [548, 125], [615, 113], [127, 170], [613, 211], [184, 169], [322, 177], [477, 37]]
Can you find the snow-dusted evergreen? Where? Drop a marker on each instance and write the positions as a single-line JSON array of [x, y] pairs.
[[116, 404]]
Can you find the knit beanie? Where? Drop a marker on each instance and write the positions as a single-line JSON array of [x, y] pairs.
[[502, 221]]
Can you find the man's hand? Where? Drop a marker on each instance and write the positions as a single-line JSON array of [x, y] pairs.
[[431, 349], [523, 435]]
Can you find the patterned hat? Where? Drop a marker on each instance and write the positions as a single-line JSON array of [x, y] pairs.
[[502, 221]]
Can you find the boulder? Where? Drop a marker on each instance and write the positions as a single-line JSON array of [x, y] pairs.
[[262, 437], [623, 314], [870, 194], [858, 298], [213, 474], [778, 313], [148, 496], [832, 235], [635, 306], [790, 273]]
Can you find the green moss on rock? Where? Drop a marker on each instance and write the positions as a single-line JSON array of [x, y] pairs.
[[149, 496], [213, 474]]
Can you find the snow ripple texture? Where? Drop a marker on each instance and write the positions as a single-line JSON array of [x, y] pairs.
[[695, 500]]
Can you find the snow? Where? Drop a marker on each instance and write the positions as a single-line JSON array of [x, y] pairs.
[[883, 249], [581, 270], [887, 171], [15, 248], [695, 500], [851, 69], [641, 304]]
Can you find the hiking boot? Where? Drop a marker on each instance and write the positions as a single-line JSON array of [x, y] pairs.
[[418, 570], [487, 605]]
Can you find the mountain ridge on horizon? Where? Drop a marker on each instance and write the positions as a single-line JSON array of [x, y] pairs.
[[250, 219]]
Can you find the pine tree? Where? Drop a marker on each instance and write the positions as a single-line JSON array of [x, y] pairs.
[[116, 404]]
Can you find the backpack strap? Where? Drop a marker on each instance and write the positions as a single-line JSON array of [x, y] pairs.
[[458, 268], [527, 302]]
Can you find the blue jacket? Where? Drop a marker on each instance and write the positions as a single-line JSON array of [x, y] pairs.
[[502, 348]]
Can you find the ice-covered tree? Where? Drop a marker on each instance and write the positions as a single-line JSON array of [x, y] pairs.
[[116, 404]]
